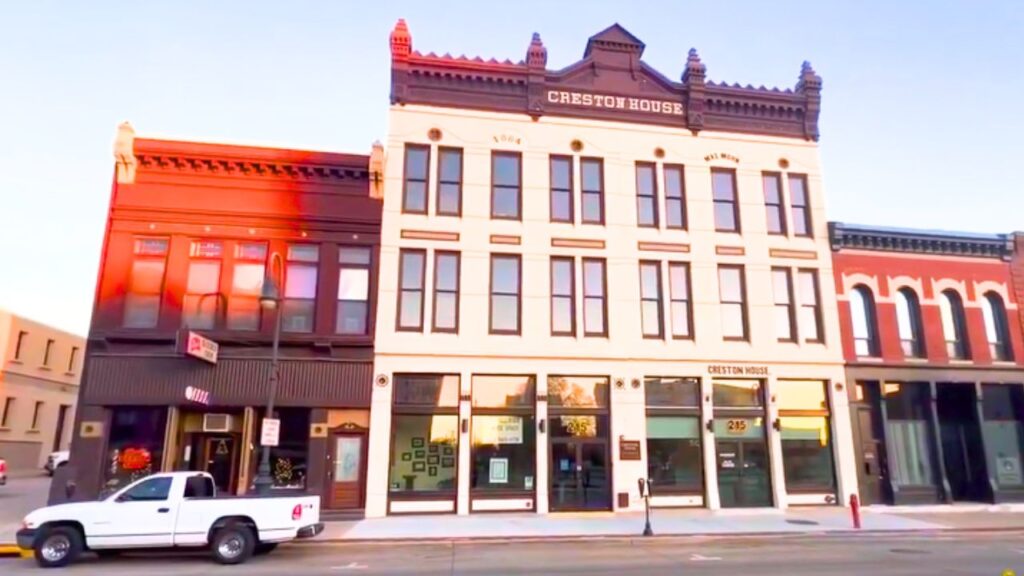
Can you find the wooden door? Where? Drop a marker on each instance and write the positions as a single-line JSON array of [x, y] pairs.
[[872, 459], [220, 461], [347, 470]]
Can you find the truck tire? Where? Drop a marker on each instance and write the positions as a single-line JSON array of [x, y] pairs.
[[233, 544], [57, 547], [264, 548]]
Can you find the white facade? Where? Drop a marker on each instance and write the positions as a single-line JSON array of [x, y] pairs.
[[624, 355]]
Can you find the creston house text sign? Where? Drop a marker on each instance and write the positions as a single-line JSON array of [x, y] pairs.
[[615, 102], [730, 370]]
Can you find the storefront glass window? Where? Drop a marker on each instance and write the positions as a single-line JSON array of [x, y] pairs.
[[441, 390], [674, 454], [503, 452], [424, 453], [801, 395], [135, 446], [672, 392], [1003, 408], [288, 458], [907, 434], [578, 391], [738, 394], [504, 391], [807, 453]]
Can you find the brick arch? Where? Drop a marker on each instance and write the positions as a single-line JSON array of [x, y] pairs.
[[1000, 288], [896, 283], [940, 285], [851, 281]]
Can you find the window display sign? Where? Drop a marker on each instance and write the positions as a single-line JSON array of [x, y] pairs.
[[498, 471], [496, 430]]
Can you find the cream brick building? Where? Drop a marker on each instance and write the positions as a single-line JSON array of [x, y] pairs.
[[568, 303], [39, 375]]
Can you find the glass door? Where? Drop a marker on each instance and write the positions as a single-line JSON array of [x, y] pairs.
[[580, 478], [744, 474], [564, 481], [346, 471]]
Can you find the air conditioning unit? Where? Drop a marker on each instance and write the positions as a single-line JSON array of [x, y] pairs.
[[216, 422]]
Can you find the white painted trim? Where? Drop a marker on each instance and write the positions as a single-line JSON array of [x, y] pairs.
[[806, 499], [676, 501], [422, 506], [518, 504]]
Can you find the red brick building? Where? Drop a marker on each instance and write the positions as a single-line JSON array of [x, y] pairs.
[[194, 233], [933, 344]]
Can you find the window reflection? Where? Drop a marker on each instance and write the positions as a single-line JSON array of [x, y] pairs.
[[578, 391]]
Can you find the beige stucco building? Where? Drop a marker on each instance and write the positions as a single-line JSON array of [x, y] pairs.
[[628, 278], [39, 376]]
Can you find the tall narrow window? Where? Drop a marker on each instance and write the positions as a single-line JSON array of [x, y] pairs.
[[723, 191], [996, 331], [35, 414], [506, 285], [202, 291], [592, 175], [412, 268], [675, 197], [449, 181], [353, 290], [47, 351], [646, 195], [732, 295], [865, 330], [800, 205], [146, 285], [506, 190], [810, 305], [650, 299], [446, 291], [773, 203], [563, 297], [561, 189], [595, 305], [908, 319], [679, 300], [72, 359], [299, 306], [246, 286], [952, 312], [22, 336], [785, 313], [8, 411], [417, 170]]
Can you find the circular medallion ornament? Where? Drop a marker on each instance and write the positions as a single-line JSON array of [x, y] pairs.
[[434, 134], [620, 383], [635, 383], [576, 146], [783, 163], [382, 380], [659, 152]]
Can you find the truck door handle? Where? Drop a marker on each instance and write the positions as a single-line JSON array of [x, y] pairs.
[[162, 510]]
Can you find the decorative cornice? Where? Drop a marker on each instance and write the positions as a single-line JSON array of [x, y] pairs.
[[204, 165], [856, 237], [611, 68]]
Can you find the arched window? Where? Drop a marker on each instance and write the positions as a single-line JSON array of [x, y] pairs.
[[995, 326], [865, 331], [952, 310], [908, 317]]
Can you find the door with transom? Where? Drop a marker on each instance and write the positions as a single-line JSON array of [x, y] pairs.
[[347, 469]]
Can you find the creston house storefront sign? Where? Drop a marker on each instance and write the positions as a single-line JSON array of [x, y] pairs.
[[735, 370], [588, 100]]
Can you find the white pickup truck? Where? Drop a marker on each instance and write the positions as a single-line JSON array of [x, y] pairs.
[[177, 509]]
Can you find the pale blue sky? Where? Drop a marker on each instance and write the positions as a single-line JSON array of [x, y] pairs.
[[922, 117]]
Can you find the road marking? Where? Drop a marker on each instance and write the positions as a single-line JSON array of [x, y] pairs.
[[351, 566], [702, 558]]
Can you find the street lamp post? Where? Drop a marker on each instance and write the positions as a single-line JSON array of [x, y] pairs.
[[270, 299]]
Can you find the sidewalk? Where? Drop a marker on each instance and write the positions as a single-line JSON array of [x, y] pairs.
[[670, 523]]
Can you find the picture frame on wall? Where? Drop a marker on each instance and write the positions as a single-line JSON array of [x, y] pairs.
[[421, 454], [432, 471], [449, 451], [419, 466], [406, 456], [433, 449], [433, 459], [447, 462], [418, 442]]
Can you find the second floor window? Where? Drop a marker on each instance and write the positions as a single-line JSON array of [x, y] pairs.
[[908, 321], [595, 302], [996, 332], [785, 315], [563, 296], [723, 191], [353, 290], [810, 305], [646, 195], [417, 170], [800, 205], [774, 209], [733, 302], [300, 282], [506, 287], [72, 359], [202, 290], [592, 176], [247, 286], [675, 197], [506, 185], [22, 336], [561, 189], [449, 181], [650, 299], [146, 284], [446, 291], [679, 300], [411, 273], [951, 308], [865, 330]]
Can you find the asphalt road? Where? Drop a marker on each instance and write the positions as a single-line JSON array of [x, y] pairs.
[[20, 496], [977, 554]]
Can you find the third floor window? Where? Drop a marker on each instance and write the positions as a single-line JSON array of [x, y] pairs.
[[146, 283], [592, 176], [561, 189], [202, 289], [417, 171], [449, 181], [775, 208], [800, 205], [646, 194], [951, 309], [247, 286], [300, 284], [353, 290], [675, 197], [723, 191], [506, 185]]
